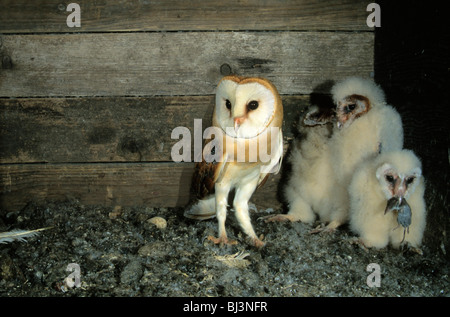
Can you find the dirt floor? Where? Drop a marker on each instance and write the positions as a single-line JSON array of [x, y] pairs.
[[123, 253]]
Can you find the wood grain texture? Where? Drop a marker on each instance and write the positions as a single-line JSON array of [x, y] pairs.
[[107, 184], [99, 102], [50, 16], [180, 63], [127, 184], [115, 129]]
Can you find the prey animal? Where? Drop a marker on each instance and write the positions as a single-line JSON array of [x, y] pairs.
[[400, 205]]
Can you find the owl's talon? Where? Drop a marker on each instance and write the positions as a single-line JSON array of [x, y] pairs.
[[257, 242], [359, 242], [317, 229], [416, 250], [320, 229], [276, 218], [222, 241], [329, 228]]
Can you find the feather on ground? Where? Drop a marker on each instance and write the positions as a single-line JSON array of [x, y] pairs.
[[19, 235]]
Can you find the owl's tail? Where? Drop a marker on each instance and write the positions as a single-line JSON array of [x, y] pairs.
[[202, 209]]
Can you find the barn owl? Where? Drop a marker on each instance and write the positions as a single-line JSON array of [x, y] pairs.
[[248, 114], [323, 163], [387, 200], [311, 185], [366, 125]]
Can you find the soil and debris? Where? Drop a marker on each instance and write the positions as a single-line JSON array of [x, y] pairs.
[[157, 252]]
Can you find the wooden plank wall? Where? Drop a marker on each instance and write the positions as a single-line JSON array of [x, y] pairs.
[[87, 112]]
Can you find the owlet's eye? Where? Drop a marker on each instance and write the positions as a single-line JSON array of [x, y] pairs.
[[252, 105], [409, 180], [228, 104], [349, 108], [390, 179]]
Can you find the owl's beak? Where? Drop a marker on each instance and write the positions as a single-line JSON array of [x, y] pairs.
[[341, 121], [237, 123], [401, 190]]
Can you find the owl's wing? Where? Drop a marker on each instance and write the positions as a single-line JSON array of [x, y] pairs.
[[275, 163], [202, 204], [204, 178], [262, 180]]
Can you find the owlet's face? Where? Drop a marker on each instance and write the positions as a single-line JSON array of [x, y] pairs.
[[244, 110], [350, 108], [395, 183]]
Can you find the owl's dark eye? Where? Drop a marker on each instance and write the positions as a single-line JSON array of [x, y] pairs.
[[390, 179], [252, 105], [228, 104], [350, 108], [409, 180]]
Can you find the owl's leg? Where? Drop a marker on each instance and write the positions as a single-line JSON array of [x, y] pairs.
[[222, 240], [279, 218], [241, 199], [338, 213], [221, 214]]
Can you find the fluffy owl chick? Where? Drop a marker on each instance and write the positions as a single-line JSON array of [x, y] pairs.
[[311, 188], [248, 116], [365, 126], [387, 200]]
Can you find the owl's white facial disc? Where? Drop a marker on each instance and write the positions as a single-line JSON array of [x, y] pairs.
[[395, 183], [244, 111]]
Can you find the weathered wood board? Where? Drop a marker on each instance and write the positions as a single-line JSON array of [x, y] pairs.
[[180, 63], [110, 184], [113, 184], [24, 16], [113, 129]]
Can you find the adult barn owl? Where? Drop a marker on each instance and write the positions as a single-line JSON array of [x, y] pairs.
[[387, 200], [248, 115], [323, 163]]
